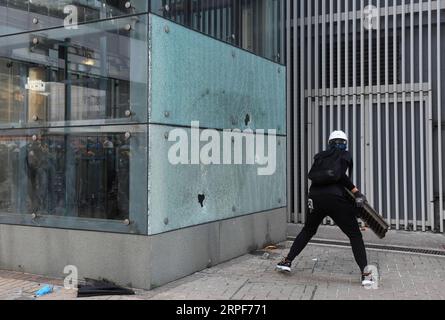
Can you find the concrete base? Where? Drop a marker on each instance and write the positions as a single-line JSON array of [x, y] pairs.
[[143, 262]]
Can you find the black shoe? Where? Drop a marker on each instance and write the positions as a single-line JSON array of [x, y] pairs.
[[285, 266]]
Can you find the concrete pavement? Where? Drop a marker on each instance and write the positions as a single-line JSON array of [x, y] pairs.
[[320, 273]]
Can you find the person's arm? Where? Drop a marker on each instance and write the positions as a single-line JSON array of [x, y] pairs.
[[346, 181]]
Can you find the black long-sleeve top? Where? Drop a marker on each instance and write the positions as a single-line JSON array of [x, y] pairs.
[[345, 182]]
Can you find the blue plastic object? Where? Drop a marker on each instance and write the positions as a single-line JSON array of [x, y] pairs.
[[44, 291]]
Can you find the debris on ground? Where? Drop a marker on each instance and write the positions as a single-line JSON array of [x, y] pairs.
[[47, 289], [95, 288], [266, 256]]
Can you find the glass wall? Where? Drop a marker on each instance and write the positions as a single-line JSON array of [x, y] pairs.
[[56, 77], [73, 115], [23, 15], [74, 102], [255, 25]]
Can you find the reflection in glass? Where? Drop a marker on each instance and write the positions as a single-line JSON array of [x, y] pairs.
[[18, 15], [81, 174], [255, 25], [97, 72]]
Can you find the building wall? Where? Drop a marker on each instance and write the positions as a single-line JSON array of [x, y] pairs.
[[82, 105], [373, 69], [86, 112]]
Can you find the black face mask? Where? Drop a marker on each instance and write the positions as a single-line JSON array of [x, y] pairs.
[[338, 144]]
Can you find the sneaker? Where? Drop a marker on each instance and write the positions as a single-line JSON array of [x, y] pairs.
[[284, 265], [367, 279]]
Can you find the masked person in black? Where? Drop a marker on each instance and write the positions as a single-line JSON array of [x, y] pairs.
[[328, 198]]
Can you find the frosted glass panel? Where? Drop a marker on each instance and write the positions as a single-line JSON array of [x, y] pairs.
[[197, 78]]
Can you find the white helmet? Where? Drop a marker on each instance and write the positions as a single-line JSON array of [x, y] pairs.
[[338, 135]]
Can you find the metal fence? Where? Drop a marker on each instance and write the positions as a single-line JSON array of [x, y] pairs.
[[373, 69]]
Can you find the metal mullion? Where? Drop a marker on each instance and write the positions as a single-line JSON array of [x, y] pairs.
[[369, 130], [288, 112], [221, 22], [429, 126], [339, 84], [430, 185], [439, 119], [209, 17], [405, 171], [282, 32], [362, 97], [317, 83], [295, 103], [354, 84], [324, 80], [331, 65], [379, 113], [323, 71], [214, 16], [387, 141], [227, 31], [413, 153], [309, 77], [396, 135], [347, 69], [421, 115], [309, 81], [302, 112]]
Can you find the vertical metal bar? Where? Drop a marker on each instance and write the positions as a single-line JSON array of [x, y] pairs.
[[379, 113], [396, 120], [354, 85], [290, 193], [405, 171], [215, 20], [362, 96], [302, 111], [369, 123], [339, 60], [317, 78], [295, 103], [323, 71], [421, 115], [324, 81], [387, 141], [430, 185], [309, 82], [347, 68], [282, 31], [220, 30], [429, 120], [422, 157], [413, 113], [439, 117], [331, 67]]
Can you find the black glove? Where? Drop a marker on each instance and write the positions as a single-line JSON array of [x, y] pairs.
[[360, 199]]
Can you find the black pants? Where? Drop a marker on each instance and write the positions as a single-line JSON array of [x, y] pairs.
[[343, 212]]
